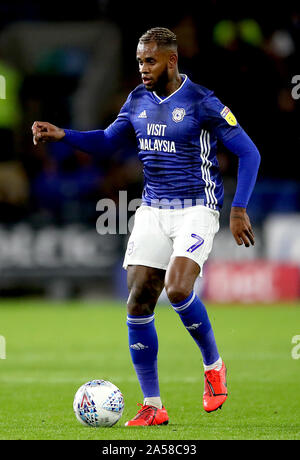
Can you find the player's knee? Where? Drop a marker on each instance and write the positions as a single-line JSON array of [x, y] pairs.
[[141, 301], [177, 292]]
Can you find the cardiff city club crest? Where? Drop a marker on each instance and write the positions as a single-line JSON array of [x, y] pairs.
[[178, 115]]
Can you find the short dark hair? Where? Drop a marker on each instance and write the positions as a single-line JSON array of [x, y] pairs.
[[160, 35]]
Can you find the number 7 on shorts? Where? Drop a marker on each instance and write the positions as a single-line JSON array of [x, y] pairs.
[[197, 245]]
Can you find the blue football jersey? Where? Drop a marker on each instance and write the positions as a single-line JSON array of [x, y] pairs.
[[177, 142]]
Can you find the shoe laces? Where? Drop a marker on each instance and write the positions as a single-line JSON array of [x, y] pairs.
[[213, 375], [214, 378], [144, 412]]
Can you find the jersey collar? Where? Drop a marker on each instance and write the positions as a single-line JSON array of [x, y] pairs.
[[161, 101]]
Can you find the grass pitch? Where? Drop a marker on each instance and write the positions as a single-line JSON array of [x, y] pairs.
[[53, 348]]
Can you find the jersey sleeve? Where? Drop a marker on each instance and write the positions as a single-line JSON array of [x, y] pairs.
[[249, 161], [221, 121], [219, 118]]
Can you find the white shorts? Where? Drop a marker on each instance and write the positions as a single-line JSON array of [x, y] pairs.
[[159, 234]]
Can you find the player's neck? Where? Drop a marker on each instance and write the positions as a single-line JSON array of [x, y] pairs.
[[171, 86]]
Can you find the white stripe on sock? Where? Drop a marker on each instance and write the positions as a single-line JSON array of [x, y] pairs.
[[185, 305], [139, 320]]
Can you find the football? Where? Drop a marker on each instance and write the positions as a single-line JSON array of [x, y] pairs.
[[98, 403]]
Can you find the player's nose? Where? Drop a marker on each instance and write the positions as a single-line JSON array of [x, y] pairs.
[[144, 69]]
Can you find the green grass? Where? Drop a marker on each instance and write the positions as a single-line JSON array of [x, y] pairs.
[[52, 348]]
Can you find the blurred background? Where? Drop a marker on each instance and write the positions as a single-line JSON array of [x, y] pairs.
[[74, 66]]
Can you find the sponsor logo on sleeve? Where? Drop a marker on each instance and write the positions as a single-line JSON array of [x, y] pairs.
[[228, 116]]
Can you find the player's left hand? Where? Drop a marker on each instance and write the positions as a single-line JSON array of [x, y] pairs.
[[240, 227]]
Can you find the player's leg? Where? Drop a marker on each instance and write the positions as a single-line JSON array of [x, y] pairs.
[[145, 285], [180, 277], [193, 238], [147, 256]]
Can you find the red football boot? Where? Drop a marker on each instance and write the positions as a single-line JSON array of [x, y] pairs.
[[149, 415], [215, 389]]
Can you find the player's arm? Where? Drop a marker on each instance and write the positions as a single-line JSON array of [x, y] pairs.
[[88, 141], [249, 160], [96, 141], [235, 139], [43, 131]]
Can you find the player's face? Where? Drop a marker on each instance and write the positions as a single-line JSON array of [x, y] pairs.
[[154, 65]]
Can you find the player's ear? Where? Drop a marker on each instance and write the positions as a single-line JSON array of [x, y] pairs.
[[173, 60]]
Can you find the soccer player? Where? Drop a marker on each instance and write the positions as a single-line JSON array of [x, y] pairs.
[[176, 124]]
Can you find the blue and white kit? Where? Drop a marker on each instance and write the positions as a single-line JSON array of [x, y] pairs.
[[176, 140]]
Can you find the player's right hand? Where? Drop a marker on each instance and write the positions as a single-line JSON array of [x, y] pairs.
[[45, 132], [240, 227]]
